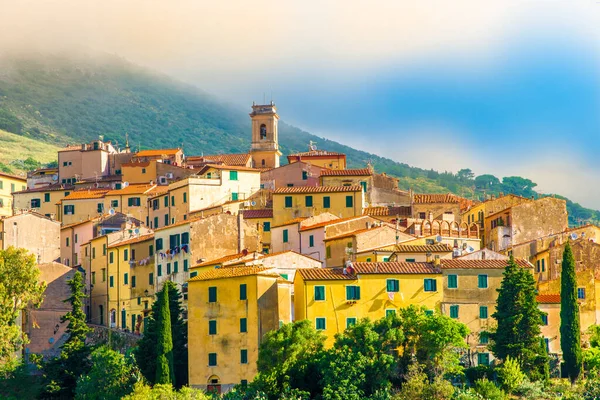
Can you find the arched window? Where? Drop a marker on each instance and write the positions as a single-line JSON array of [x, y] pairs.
[[263, 131]]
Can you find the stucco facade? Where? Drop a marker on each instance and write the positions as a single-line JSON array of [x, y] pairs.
[[36, 233]]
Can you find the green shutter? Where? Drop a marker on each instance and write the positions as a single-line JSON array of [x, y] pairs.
[[308, 201], [212, 327], [304, 175], [285, 236], [243, 325], [234, 196], [311, 241], [320, 324], [185, 265], [243, 292], [454, 311], [482, 281], [319, 293], [266, 226], [133, 281], [233, 175], [389, 313], [452, 281], [364, 186], [288, 201], [350, 322], [212, 359], [483, 312], [112, 281], [244, 356], [212, 294], [393, 285], [151, 278], [125, 278], [176, 266], [349, 201], [326, 202]]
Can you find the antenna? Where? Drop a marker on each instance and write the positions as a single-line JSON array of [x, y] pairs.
[[573, 236]]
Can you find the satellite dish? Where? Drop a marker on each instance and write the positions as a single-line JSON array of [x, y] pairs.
[[573, 236], [55, 177], [125, 184], [137, 231], [438, 239], [252, 203], [111, 211]]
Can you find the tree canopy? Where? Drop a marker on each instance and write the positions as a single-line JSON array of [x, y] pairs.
[[570, 329]]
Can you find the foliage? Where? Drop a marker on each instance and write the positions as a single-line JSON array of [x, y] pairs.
[[19, 288], [111, 377], [510, 374], [145, 352], [488, 390], [142, 391], [62, 372], [478, 372], [17, 382], [165, 373], [570, 331], [518, 334], [536, 390], [417, 386], [591, 387]]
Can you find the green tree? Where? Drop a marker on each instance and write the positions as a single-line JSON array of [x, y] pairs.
[[519, 186], [19, 288], [62, 372], [142, 391], [518, 331], [465, 175], [510, 374], [111, 377], [164, 345], [145, 352], [570, 330], [486, 182]]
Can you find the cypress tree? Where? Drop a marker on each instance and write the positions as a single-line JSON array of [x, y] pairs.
[[164, 344], [570, 330], [519, 319]]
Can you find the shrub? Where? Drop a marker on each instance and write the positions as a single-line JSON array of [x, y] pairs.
[[488, 390], [510, 374], [479, 372]]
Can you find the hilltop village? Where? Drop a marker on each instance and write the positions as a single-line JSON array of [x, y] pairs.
[[253, 244]]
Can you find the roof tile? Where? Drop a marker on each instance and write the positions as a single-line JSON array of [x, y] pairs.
[[316, 189], [221, 273], [402, 211], [367, 268], [548, 298], [262, 213], [481, 264], [227, 159], [86, 194], [157, 152], [347, 172], [430, 248], [138, 239]]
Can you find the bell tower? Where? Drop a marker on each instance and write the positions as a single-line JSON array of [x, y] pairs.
[[265, 147]]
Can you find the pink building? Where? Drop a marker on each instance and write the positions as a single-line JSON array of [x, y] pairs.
[[296, 174]]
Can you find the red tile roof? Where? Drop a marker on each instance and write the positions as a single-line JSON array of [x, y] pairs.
[[87, 194], [157, 152], [347, 172], [367, 268], [138, 239], [316, 189], [131, 189], [442, 198], [262, 213], [316, 153], [222, 273], [227, 159], [548, 298], [291, 222], [481, 264], [402, 211], [426, 248], [330, 222], [50, 188], [220, 260], [226, 168]]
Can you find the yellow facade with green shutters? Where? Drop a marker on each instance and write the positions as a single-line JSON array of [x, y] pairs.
[[332, 300]]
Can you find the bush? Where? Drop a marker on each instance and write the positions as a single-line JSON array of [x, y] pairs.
[[510, 374], [533, 390], [159, 392], [488, 390], [417, 386], [467, 394]]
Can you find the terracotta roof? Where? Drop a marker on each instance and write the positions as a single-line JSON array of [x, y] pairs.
[[221, 260], [481, 264], [548, 298], [138, 239], [50, 188], [226, 168], [105, 178], [262, 213], [317, 189], [290, 222], [136, 164], [227, 159], [367, 268], [222, 273], [356, 232], [157, 152], [131, 189], [11, 176], [442, 198], [330, 222], [402, 211], [316, 153], [431, 248], [83, 194], [347, 172]]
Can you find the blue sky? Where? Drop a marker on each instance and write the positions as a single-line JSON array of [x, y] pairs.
[[507, 88]]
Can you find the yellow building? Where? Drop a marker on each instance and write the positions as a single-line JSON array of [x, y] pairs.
[[320, 158], [230, 310], [81, 205], [43, 200], [263, 218], [470, 295], [94, 261], [9, 184], [550, 304], [307, 201], [133, 200], [335, 298], [131, 281], [421, 253], [461, 245]]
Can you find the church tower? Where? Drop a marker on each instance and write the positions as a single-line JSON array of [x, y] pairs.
[[265, 147]]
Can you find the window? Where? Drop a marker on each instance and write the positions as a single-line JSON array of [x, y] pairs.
[[288, 201], [430, 285], [212, 327], [393, 285], [311, 241], [151, 250], [103, 274], [352, 292], [166, 201], [212, 359], [350, 322], [111, 281], [547, 343], [328, 252], [151, 278], [233, 175], [410, 259], [484, 338], [364, 186], [75, 239], [243, 325], [545, 319], [304, 175], [422, 215], [168, 268], [308, 201], [36, 203], [483, 358], [263, 131], [159, 270], [159, 244], [243, 292], [429, 313], [244, 382], [67, 242], [234, 196], [482, 281], [454, 311], [483, 312], [125, 255], [185, 265], [244, 356], [184, 197], [155, 224], [349, 201], [176, 267], [143, 170], [320, 324], [100, 208], [93, 252], [319, 293], [172, 200], [452, 281], [581, 293], [166, 219], [133, 281], [104, 249], [125, 278], [93, 278], [537, 266], [285, 236], [543, 264], [326, 202], [290, 185], [133, 202], [46, 197], [390, 313], [212, 294], [193, 274]]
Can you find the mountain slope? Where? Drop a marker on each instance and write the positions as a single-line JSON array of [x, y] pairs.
[[69, 99]]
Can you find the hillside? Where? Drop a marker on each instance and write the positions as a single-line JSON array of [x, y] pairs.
[[58, 100]]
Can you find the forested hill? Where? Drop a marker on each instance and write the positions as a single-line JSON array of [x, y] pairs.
[[68, 99]]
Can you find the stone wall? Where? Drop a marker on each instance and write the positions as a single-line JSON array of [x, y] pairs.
[[532, 220]]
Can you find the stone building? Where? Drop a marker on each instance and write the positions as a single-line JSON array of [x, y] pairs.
[[34, 232], [447, 207]]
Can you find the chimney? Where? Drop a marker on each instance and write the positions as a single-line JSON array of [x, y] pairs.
[[436, 261], [429, 258]]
